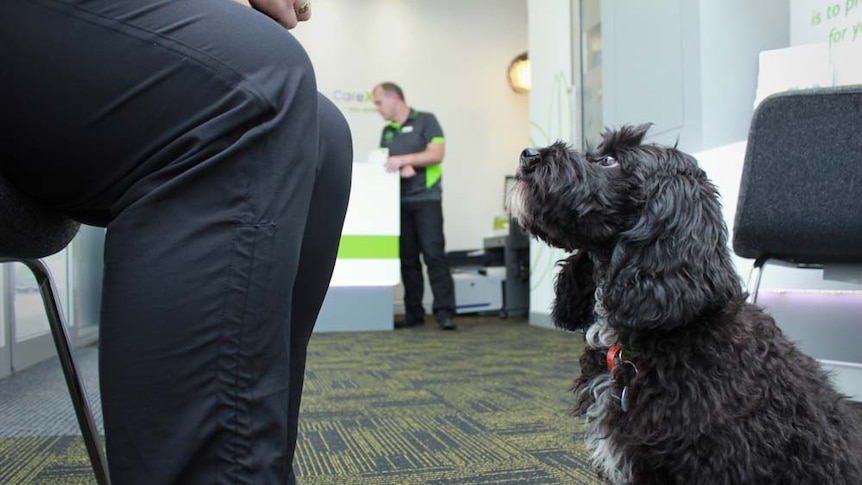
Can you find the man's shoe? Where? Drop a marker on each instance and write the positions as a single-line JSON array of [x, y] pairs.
[[446, 323], [409, 321]]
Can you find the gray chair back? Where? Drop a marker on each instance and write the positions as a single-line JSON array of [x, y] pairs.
[[800, 198], [29, 230]]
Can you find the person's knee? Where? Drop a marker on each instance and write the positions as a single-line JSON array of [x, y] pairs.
[[280, 71], [336, 142]]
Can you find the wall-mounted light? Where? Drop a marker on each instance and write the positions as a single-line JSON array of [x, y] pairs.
[[519, 74]]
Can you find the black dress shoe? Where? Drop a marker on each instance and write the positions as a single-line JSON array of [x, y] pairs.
[[446, 323], [409, 321]]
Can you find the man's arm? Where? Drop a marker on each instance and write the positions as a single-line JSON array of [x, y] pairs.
[[433, 154]]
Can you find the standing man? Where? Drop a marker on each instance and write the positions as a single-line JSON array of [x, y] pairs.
[[416, 149]]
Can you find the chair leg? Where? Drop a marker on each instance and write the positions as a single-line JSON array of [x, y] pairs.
[[70, 370], [754, 279]]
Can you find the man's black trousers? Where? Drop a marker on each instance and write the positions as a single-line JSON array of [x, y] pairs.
[[422, 234]]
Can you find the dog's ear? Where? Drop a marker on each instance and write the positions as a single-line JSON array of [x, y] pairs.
[[674, 264], [627, 136], [574, 293]]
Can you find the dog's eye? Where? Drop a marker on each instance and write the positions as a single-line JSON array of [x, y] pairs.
[[607, 161]]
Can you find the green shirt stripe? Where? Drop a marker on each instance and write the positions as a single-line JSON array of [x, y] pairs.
[[432, 174]]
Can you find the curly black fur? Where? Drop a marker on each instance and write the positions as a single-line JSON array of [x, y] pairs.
[[575, 279], [720, 395]]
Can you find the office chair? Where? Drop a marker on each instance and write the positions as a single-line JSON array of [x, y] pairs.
[[800, 197], [28, 232]]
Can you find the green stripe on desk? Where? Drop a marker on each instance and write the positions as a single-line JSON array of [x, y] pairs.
[[368, 247]]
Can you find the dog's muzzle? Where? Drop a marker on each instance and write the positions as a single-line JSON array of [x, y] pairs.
[[530, 157]]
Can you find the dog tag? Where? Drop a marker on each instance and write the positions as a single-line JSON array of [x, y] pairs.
[[624, 399]]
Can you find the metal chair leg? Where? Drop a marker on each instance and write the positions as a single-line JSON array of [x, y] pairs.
[[70, 370], [754, 279]]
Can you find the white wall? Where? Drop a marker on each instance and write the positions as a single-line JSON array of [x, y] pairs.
[[695, 77], [835, 22], [835, 25], [451, 58], [732, 33]]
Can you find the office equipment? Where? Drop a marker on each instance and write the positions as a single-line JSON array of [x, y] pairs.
[[495, 278]]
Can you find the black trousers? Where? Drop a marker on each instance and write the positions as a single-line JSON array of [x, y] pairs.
[[422, 234], [194, 132]]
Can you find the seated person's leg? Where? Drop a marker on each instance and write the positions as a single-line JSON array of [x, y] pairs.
[[190, 129], [319, 244]]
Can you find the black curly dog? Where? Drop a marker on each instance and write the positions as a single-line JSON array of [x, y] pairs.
[[682, 382]]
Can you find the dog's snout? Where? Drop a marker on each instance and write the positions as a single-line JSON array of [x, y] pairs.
[[530, 157]]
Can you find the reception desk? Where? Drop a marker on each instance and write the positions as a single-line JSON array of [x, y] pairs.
[[360, 296]]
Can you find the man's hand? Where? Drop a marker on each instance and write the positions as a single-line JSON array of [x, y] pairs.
[[395, 162], [288, 13], [407, 171]]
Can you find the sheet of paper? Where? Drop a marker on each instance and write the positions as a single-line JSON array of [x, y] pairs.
[[378, 157], [801, 67]]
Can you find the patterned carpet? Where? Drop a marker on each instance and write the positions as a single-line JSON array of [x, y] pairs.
[[487, 404]]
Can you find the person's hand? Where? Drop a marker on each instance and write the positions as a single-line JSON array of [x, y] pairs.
[[395, 162], [407, 171], [288, 13]]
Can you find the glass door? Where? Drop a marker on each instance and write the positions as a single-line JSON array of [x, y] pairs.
[[25, 336], [591, 70], [5, 328], [30, 339]]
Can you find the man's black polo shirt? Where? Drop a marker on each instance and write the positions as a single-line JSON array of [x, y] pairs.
[[413, 136]]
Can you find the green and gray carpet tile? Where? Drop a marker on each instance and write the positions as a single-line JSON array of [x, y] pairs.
[[488, 404]]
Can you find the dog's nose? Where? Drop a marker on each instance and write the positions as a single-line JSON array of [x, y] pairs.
[[530, 157]]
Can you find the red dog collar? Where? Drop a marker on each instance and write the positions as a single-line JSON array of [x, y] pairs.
[[612, 355]]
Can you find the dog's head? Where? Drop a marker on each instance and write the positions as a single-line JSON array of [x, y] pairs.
[[646, 212]]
